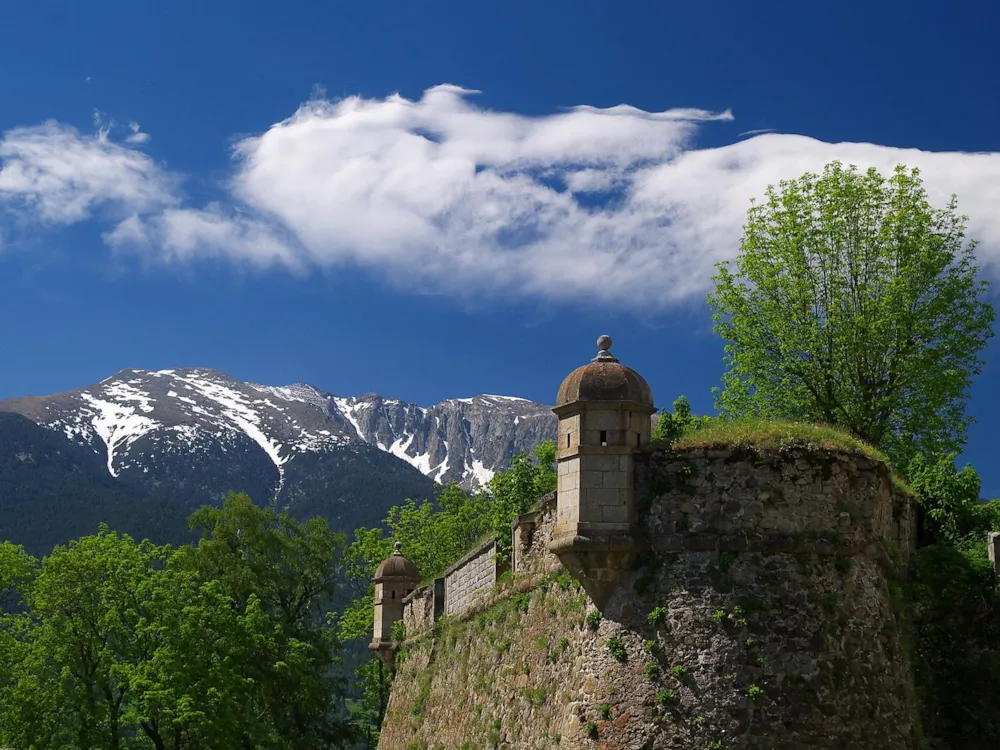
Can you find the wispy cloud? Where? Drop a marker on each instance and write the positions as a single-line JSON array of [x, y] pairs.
[[136, 137], [612, 205], [758, 131], [52, 173]]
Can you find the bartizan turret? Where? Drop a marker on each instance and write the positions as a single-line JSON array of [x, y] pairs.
[[604, 410], [396, 577]]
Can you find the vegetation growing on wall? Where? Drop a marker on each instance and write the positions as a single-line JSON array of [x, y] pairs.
[[435, 535]]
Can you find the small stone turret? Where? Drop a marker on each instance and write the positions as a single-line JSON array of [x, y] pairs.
[[604, 410], [396, 577]]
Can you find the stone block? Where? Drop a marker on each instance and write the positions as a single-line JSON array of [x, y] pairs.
[[603, 419], [604, 497], [616, 480], [591, 480], [614, 514], [603, 463]]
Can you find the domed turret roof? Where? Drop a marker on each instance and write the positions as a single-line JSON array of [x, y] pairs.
[[604, 379], [397, 568]]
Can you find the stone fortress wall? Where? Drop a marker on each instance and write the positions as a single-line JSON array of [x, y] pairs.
[[758, 611], [464, 584]]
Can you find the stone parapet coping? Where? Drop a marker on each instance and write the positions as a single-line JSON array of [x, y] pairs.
[[419, 591], [471, 554], [526, 583], [545, 502]]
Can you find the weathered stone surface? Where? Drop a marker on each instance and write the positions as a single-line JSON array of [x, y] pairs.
[[756, 617]]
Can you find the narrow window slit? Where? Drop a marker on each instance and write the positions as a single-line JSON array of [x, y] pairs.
[[604, 437]]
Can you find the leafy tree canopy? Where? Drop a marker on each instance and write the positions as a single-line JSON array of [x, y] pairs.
[[853, 301], [122, 644]]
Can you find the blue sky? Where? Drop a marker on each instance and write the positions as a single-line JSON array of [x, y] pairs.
[[234, 185]]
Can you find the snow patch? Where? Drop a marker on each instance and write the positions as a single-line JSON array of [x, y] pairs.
[[233, 407], [480, 472], [126, 392], [118, 425], [347, 409]]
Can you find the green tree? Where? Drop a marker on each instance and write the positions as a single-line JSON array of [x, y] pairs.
[[671, 426], [517, 489], [280, 575], [120, 644], [853, 301]]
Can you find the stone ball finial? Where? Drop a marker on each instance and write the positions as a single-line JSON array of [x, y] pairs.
[[605, 379], [397, 548]]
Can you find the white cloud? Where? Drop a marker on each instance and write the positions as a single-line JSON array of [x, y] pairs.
[[613, 205], [136, 136], [55, 174]]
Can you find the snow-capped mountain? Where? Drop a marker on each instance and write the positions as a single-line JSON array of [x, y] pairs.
[[135, 417], [171, 440]]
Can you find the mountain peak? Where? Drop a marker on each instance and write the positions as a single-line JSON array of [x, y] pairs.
[[135, 416]]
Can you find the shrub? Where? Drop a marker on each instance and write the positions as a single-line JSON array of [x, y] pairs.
[[617, 649], [591, 730], [593, 619], [536, 696], [657, 616], [666, 697], [652, 671], [754, 692], [604, 712]]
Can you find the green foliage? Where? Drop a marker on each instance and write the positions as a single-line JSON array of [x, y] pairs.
[[124, 644], [954, 634], [666, 697], [657, 616], [591, 730], [949, 499], [679, 670], [536, 696], [368, 710], [671, 426], [617, 649], [652, 671], [754, 692], [766, 436], [593, 619], [399, 631], [516, 490], [434, 535], [854, 302], [604, 711]]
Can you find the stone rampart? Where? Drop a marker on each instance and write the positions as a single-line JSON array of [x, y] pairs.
[[418, 609], [471, 577], [822, 502], [760, 612]]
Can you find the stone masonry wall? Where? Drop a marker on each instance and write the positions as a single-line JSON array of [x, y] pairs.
[[418, 609], [761, 612], [475, 574]]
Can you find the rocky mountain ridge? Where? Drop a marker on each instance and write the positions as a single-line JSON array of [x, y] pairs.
[[142, 449], [136, 416]]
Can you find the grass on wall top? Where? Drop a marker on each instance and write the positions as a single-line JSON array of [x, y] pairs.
[[776, 436]]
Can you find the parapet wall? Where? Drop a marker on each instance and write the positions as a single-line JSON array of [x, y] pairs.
[[797, 500], [464, 584], [474, 574], [760, 612]]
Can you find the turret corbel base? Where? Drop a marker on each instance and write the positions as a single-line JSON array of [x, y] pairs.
[[598, 560]]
